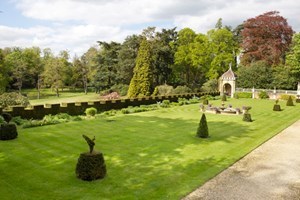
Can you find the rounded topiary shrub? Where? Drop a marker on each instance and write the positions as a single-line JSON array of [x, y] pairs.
[[247, 117], [8, 131], [91, 166], [290, 102], [91, 111], [297, 100], [202, 130], [276, 107]]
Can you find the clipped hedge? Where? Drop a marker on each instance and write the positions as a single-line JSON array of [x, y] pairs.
[[246, 95], [8, 131], [91, 166]]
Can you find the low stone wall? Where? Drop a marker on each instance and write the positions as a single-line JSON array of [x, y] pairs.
[[78, 108]]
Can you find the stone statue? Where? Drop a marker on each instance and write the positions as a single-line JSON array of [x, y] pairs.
[[90, 142]]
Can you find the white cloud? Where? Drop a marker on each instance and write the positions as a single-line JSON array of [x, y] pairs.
[[77, 24]]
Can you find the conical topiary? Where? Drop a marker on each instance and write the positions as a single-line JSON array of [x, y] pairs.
[[224, 98], [202, 130], [290, 102]]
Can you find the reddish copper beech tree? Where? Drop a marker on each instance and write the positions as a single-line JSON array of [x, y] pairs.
[[266, 37]]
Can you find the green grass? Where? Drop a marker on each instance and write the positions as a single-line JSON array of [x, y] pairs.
[[150, 155], [49, 97]]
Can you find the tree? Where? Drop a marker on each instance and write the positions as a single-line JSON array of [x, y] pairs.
[[258, 75], [293, 59], [55, 71], [202, 130], [163, 55], [266, 37], [80, 72], [223, 51], [140, 84], [4, 78], [183, 56], [106, 74], [126, 58]]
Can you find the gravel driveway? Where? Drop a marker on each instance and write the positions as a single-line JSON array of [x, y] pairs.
[[272, 171]]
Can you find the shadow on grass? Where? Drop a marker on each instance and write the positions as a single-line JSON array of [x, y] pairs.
[[147, 157]]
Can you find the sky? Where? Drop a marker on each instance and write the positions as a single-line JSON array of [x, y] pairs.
[[76, 25]]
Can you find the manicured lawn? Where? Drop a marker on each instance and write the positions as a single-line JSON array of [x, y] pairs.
[[151, 155], [48, 96]]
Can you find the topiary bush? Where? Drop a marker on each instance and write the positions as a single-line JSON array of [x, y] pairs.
[[224, 98], [202, 130], [8, 131], [297, 100], [91, 111], [263, 95], [205, 102], [90, 165], [290, 102], [247, 115], [287, 96], [276, 107]]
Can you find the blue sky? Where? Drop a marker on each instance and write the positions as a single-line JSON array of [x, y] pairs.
[[76, 25]]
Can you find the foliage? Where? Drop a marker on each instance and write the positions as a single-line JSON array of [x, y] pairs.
[[91, 166], [247, 117], [276, 107], [287, 96], [13, 99], [266, 37], [120, 89], [91, 111], [290, 102], [182, 90], [293, 59], [284, 77], [202, 130], [243, 94], [263, 95], [210, 86], [257, 75], [2, 121], [165, 104], [224, 98], [8, 131], [140, 84], [183, 101], [164, 90]]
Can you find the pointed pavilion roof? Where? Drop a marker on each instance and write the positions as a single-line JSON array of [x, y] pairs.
[[229, 75]]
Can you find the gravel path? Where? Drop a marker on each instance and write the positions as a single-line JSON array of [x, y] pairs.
[[272, 171]]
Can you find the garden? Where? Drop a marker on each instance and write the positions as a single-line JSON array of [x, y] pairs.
[[148, 155]]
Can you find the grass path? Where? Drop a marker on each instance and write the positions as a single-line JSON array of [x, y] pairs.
[[151, 155]]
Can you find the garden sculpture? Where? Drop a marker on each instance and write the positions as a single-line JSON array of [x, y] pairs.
[[90, 142]]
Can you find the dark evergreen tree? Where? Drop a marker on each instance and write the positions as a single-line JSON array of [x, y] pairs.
[[202, 130]]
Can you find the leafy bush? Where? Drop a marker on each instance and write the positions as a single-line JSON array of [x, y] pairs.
[[247, 95], [165, 104], [120, 89], [183, 101], [18, 120], [297, 100], [182, 90], [164, 90], [210, 86], [13, 99], [110, 112], [287, 96], [194, 100], [290, 101], [91, 111], [202, 130], [236, 95], [2, 121], [205, 102], [263, 95]]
